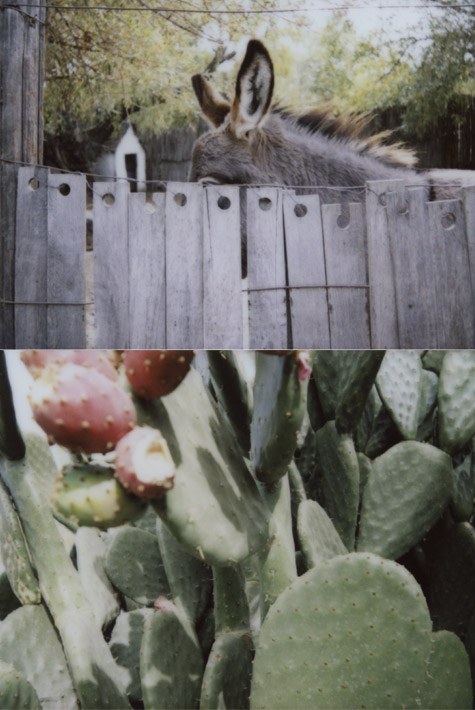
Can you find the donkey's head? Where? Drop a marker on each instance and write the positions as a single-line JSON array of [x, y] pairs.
[[252, 143], [233, 152]]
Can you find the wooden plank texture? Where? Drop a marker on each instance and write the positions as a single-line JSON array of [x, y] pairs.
[[345, 258], [382, 297], [184, 265], [469, 209], [31, 272], [223, 326], [415, 283], [266, 269], [306, 271], [111, 265], [452, 272], [66, 261]]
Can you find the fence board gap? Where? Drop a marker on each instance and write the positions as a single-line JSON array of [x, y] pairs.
[[266, 269], [411, 246], [111, 265], [223, 321], [345, 258], [66, 260], [184, 280], [31, 274], [306, 271], [147, 297], [452, 266]]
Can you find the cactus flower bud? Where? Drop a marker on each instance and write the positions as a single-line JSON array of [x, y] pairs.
[[144, 464]]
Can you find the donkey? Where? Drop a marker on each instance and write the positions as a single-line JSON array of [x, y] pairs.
[[254, 142]]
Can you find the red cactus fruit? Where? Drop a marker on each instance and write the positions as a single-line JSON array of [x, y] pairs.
[[103, 361], [304, 367], [143, 463], [81, 409], [155, 373]]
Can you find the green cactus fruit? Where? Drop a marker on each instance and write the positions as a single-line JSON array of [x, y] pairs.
[[384, 434], [319, 541], [365, 465], [8, 600], [326, 370], [461, 505], [457, 400], [399, 385], [134, 565], [232, 393], [14, 553], [104, 361], [278, 568], [190, 579], [352, 632], [358, 371], [427, 405], [448, 681], [408, 489], [16, 692], [90, 551], [156, 373], [227, 676], [451, 555], [212, 481], [279, 408], [125, 644], [339, 470], [90, 495], [171, 664], [28, 642]]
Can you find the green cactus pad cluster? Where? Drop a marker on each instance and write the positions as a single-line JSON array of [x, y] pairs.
[[316, 550]]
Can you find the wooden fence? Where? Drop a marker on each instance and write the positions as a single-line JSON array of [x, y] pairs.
[[392, 271]]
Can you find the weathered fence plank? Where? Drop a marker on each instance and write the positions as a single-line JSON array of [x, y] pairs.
[[111, 264], [31, 274], [147, 297], [469, 209], [306, 271], [223, 324], [383, 315], [345, 257], [454, 294], [184, 259], [411, 246], [266, 269], [66, 261]]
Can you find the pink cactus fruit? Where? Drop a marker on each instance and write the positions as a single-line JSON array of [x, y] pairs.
[[304, 367], [104, 361], [155, 373], [81, 408], [143, 463]]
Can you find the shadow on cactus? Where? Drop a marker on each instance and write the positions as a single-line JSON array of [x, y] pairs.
[[239, 530]]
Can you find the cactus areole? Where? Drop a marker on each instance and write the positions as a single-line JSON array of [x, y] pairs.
[[81, 409], [144, 465]]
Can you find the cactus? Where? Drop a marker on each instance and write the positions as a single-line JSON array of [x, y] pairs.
[[258, 574]]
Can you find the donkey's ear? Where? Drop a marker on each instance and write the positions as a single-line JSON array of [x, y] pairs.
[[254, 87], [213, 106]]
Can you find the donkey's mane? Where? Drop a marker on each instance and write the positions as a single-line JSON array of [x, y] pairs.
[[352, 129]]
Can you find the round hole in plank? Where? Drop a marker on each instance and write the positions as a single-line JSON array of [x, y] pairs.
[[343, 219], [449, 220], [382, 199], [108, 199], [64, 189], [180, 199], [300, 210], [33, 184], [224, 203], [265, 204]]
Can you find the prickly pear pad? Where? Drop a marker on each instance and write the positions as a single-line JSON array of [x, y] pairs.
[[352, 632], [399, 384], [448, 681], [457, 400]]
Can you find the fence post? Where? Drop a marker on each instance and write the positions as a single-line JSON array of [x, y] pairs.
[[22, 34]]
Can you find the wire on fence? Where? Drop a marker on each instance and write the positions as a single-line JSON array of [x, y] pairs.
[[262, 11]]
